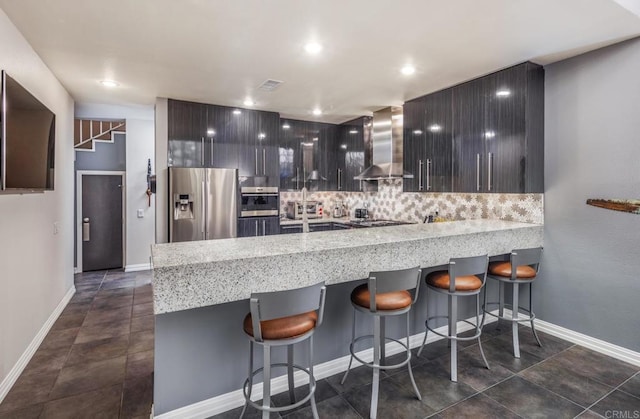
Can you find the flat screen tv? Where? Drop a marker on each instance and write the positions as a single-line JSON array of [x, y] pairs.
[[27, 140]]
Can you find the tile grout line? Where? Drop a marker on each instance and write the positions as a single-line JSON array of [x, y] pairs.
[[613, 390]]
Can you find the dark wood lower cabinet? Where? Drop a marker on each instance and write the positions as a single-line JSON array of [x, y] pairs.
[[258, 226]]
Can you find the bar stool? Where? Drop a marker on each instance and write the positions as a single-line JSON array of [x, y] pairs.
[[465, 277], [522, 268], [386, 293], [282, 318]]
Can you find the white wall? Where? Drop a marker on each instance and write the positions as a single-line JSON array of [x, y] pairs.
[[36, 266], [589, 278], [140, 232], [162, 145]]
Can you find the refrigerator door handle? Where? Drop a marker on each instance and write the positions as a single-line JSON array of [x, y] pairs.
[[204, 218], [264, 161]]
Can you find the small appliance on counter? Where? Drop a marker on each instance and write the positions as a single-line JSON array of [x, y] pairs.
[[362, 213], [339, 210], [294, 210]]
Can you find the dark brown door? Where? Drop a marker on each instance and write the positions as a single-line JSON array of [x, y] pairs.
[[101, 222]]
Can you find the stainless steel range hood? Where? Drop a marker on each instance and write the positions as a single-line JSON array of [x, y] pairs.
[[387, 146]]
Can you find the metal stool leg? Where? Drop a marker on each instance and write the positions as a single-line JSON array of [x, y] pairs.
[[413, 382], [514, 316], [533, 328], [314, 408], [353, 337], [453, 332], [500, 302], [382, 341], [266, 380], [376, 371], [246, 403], [292, 397], [479, 328]]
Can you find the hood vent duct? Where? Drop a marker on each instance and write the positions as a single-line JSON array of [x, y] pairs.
[[387, 146]]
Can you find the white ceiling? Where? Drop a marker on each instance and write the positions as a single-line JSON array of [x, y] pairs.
[[220, 51]]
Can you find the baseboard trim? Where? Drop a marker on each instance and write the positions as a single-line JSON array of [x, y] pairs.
[[598, 345], [137, 267], [26, 356], [234, 399]]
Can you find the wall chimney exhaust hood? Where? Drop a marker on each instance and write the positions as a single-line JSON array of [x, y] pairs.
[[387, 146]]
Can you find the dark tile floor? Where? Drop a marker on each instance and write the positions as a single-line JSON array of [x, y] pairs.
[[559, 380], [97, 362]]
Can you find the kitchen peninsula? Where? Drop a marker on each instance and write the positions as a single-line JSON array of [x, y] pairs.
[[201, 290]]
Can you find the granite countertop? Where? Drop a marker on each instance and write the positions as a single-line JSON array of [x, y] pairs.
[[197, 274]]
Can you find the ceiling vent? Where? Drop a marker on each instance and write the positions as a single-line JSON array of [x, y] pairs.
[[270, 85]]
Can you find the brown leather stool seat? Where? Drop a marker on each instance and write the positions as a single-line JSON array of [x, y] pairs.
[[441, 279], [395, 300], [504, 269], [284, 327]]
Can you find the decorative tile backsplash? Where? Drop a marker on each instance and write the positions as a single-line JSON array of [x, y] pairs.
[[389, 202]]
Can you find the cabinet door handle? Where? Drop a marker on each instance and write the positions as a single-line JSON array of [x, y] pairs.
[[297, 178], [86, 230], [264, 161], [256, 228], [204, 214], [264, 227], [478, 172], [339, 179], [211, 161], [420, 165], [202, 151], [489, 170], [428, 174], [256, 150]]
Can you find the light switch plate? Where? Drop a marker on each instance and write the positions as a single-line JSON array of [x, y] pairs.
[[56, 228], [140, 213]]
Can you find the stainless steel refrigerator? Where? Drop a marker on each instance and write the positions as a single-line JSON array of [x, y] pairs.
[[203, 204]]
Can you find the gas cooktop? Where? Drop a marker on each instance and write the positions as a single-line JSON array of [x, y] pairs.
[[359, 223]]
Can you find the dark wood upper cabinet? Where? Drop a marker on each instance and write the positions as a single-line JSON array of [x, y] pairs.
[[187, 131], [485, 135], [203, 135], [427, 144], [307, 155], [468, 136]]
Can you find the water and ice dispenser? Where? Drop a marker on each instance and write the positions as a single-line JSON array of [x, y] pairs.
[[182, 206]]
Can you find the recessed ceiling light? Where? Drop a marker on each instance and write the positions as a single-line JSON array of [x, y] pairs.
[[237, 111], [313, 47], [248, 102], [109, 83], [317, 111], [211, 131], [353, 131], [408, 70], [286, 126], [435, 128], [503, 93], [417, 132]]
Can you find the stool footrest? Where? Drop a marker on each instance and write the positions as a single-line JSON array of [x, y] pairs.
[[380, 367], [305, 399], [462, 338], [530, 314]]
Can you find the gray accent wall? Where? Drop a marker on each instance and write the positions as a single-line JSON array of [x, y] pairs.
[[107, 156], [590, 272]]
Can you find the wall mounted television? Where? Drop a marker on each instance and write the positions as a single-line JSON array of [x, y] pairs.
[[27, 141]]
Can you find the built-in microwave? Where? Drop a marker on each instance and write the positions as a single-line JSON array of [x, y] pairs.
[[294, 209], [259, 201]]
